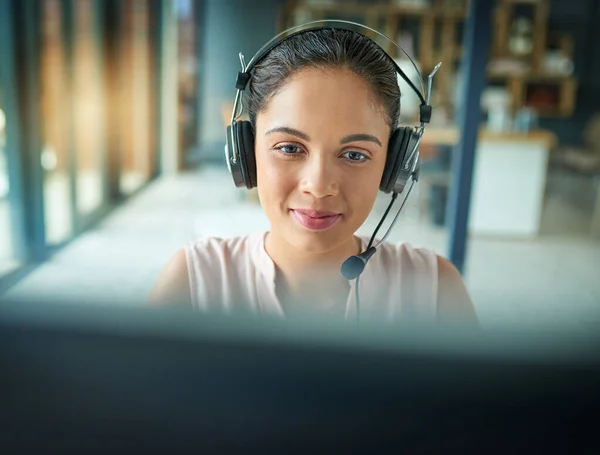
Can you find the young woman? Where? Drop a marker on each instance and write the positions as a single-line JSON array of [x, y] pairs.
[[322, 105]]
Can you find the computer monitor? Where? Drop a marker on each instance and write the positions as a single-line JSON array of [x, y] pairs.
[[74, 379]]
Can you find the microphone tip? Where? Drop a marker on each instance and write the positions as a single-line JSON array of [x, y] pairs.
[[352, 267]]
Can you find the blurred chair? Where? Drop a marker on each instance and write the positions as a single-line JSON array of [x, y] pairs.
[[584, 162], [434, 183]]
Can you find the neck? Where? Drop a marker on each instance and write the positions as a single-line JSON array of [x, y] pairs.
[[302, 270]]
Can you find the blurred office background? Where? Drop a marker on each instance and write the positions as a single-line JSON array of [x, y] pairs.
[[112, 122]]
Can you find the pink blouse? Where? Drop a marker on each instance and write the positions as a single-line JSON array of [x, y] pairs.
[[237, 274]]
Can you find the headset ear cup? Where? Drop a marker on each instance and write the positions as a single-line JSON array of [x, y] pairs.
[[397, 146], [390, 159], [250, 158], [245, 143], [405, 168], [234, 168]]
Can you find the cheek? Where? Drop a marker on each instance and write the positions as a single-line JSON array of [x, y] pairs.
[[363, 192], [366, 182], [274, 183]]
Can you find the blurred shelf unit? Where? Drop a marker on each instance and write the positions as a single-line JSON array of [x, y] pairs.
[[547, 95], [429, 30], [532, 63], [535, 64]]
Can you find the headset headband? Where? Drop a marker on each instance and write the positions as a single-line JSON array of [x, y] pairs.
[[243, 76], [332, 24]]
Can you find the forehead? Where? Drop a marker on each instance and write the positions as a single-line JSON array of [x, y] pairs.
[[315, 99]]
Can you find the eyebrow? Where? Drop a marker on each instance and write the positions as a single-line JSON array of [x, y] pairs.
[[360, 137], [345, 139], [292, 131]]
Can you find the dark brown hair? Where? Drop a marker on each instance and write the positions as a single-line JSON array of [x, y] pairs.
[[325, 48]]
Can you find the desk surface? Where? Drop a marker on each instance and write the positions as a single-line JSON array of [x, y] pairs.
[[450, 136]]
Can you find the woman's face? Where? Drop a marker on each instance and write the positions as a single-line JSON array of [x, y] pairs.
[[321, 145]]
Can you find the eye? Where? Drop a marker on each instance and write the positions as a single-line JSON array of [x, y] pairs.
[[288, 149], [356, 156]]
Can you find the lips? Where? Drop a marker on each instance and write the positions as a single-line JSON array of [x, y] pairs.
[[315, 220]]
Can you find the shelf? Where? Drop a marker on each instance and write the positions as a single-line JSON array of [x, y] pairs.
[[529, 76], [436, 12], [348, 8], [522, 2], [450, 136], [550, 97], [383, 9], [436, 37]]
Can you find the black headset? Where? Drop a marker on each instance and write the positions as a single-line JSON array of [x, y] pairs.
[[402, 160]]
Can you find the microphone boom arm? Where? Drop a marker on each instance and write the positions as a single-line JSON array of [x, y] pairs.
[[412, 184]]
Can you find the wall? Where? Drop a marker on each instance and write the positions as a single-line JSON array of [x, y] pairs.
[[229, 27], [168, 92]]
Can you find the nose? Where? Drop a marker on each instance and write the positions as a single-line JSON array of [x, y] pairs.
[[319, 177]]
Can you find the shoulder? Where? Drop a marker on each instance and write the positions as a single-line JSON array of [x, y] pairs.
[[409, 257], [209, 255], [447, 270], [405, 280], [424, 269], [454, 303], [220, 249], [172, 287]]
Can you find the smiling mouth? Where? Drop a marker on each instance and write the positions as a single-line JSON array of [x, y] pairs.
[[315, 220]]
